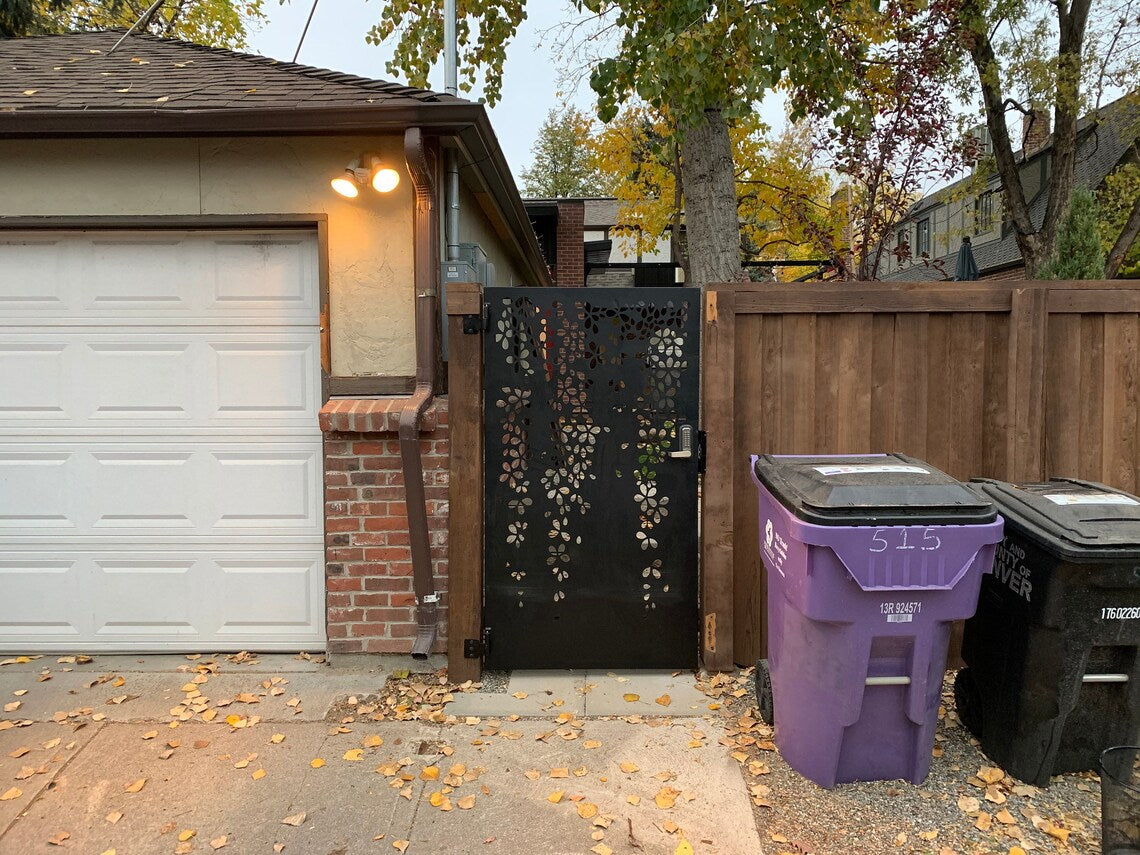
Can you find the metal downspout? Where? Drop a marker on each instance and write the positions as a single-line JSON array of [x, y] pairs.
[[425, 238]]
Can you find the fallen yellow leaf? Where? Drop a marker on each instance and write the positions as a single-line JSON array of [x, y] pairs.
[[601, 849], [520, 695], [316, 762], [136, 786], [113, 817], [592, 743], [683, 848], [587, 810], [633, 800], [555, 797], [666, 797], [430, 773], [218, 842], [150, 734], [629, 768], [466, 803], [258, 775], [13, 793], [354, 754], [186, 834], [277, 738], [991, 774], [372, 741], [294, 820], [533, 774], [560, 773], [664, 700], [631, 697], [400, 845]]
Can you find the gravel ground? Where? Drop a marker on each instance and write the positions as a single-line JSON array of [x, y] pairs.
[[897, 817]]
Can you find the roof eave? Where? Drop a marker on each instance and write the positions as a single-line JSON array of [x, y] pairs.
[[24, 124]]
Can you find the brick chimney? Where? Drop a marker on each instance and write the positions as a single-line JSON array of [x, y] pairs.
[[1034, 131], [570, 254]]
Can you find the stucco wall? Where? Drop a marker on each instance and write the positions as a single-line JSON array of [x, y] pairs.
[[370, 238], [476, 227]]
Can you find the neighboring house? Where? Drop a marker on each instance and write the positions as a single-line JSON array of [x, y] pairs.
[[932, 231], [581, 247], [206, 353]]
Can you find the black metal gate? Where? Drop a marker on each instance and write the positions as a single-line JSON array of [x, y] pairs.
[[590, 408]]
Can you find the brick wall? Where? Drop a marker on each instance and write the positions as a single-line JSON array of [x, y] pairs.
[[1006, 275], [368, 564], [570, 254]]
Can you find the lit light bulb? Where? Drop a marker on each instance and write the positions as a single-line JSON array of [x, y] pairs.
[[385, 179], [345, 185]]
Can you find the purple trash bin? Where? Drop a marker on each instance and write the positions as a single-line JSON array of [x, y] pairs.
[[869, 559]]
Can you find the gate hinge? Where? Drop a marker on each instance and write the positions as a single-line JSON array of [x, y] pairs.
[[475, 324], [702, 438], [475, 648]]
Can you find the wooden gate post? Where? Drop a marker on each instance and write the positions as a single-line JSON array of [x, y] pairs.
[[718, 358], [465, 493]]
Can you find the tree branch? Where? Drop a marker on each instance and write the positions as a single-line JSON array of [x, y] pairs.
[[1124, 242]]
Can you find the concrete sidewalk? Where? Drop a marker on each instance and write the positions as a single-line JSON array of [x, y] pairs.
[[487, 783]]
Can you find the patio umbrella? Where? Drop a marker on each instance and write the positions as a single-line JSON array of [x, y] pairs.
[[966, 269]]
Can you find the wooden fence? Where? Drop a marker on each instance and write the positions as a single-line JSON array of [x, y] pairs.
[[1014, 380]]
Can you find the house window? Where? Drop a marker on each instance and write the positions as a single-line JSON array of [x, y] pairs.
[[922, 237], [984, 213]]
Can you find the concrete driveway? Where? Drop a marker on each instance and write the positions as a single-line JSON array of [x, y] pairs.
[[114, 755]]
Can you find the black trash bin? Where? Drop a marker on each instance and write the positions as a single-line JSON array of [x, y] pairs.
[[1120, 800], [1052, 673]]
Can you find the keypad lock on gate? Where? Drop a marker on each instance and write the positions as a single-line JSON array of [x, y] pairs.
[[685, 437]]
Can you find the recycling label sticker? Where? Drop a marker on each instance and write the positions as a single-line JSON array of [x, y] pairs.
[[870, 469], [1090, 499]]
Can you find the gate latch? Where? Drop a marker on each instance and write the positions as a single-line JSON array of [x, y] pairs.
[[685, 436], [475, 324]]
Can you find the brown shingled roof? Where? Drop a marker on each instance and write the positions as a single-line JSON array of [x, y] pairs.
[[77, 72]]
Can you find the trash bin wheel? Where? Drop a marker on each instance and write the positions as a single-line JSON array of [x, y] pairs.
[[968, 700], [764, 693]]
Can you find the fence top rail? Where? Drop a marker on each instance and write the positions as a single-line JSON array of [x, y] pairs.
[[1006, 285], [1121, 295]]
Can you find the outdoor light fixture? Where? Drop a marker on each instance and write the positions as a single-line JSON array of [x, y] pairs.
[[366, 169], [385, 179]]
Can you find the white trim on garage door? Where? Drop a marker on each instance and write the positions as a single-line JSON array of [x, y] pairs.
[[160, 458]]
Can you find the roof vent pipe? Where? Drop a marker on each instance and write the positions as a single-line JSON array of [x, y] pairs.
[[451, 87]]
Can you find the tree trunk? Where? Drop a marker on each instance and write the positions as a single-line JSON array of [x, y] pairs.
[[1123, 243], [711, 225]]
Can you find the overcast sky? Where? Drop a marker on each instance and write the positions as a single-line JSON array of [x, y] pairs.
[[530, 88]]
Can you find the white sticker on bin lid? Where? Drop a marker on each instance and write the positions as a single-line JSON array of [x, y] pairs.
[[869, 468], [1090, 499]]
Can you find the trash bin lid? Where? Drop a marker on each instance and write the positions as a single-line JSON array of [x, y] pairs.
[[871, 489], [1077, 519]]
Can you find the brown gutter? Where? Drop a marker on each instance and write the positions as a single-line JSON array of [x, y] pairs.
[[426, 241]]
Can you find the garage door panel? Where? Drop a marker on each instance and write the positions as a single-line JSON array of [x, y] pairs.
[[90, 381], [160, 490], [152, 597], [162, 277], [259, 379], [49, 592], [34, 489], [123, 599], [267, 593]]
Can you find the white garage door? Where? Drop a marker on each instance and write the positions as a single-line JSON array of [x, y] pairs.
[[160, 457]]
